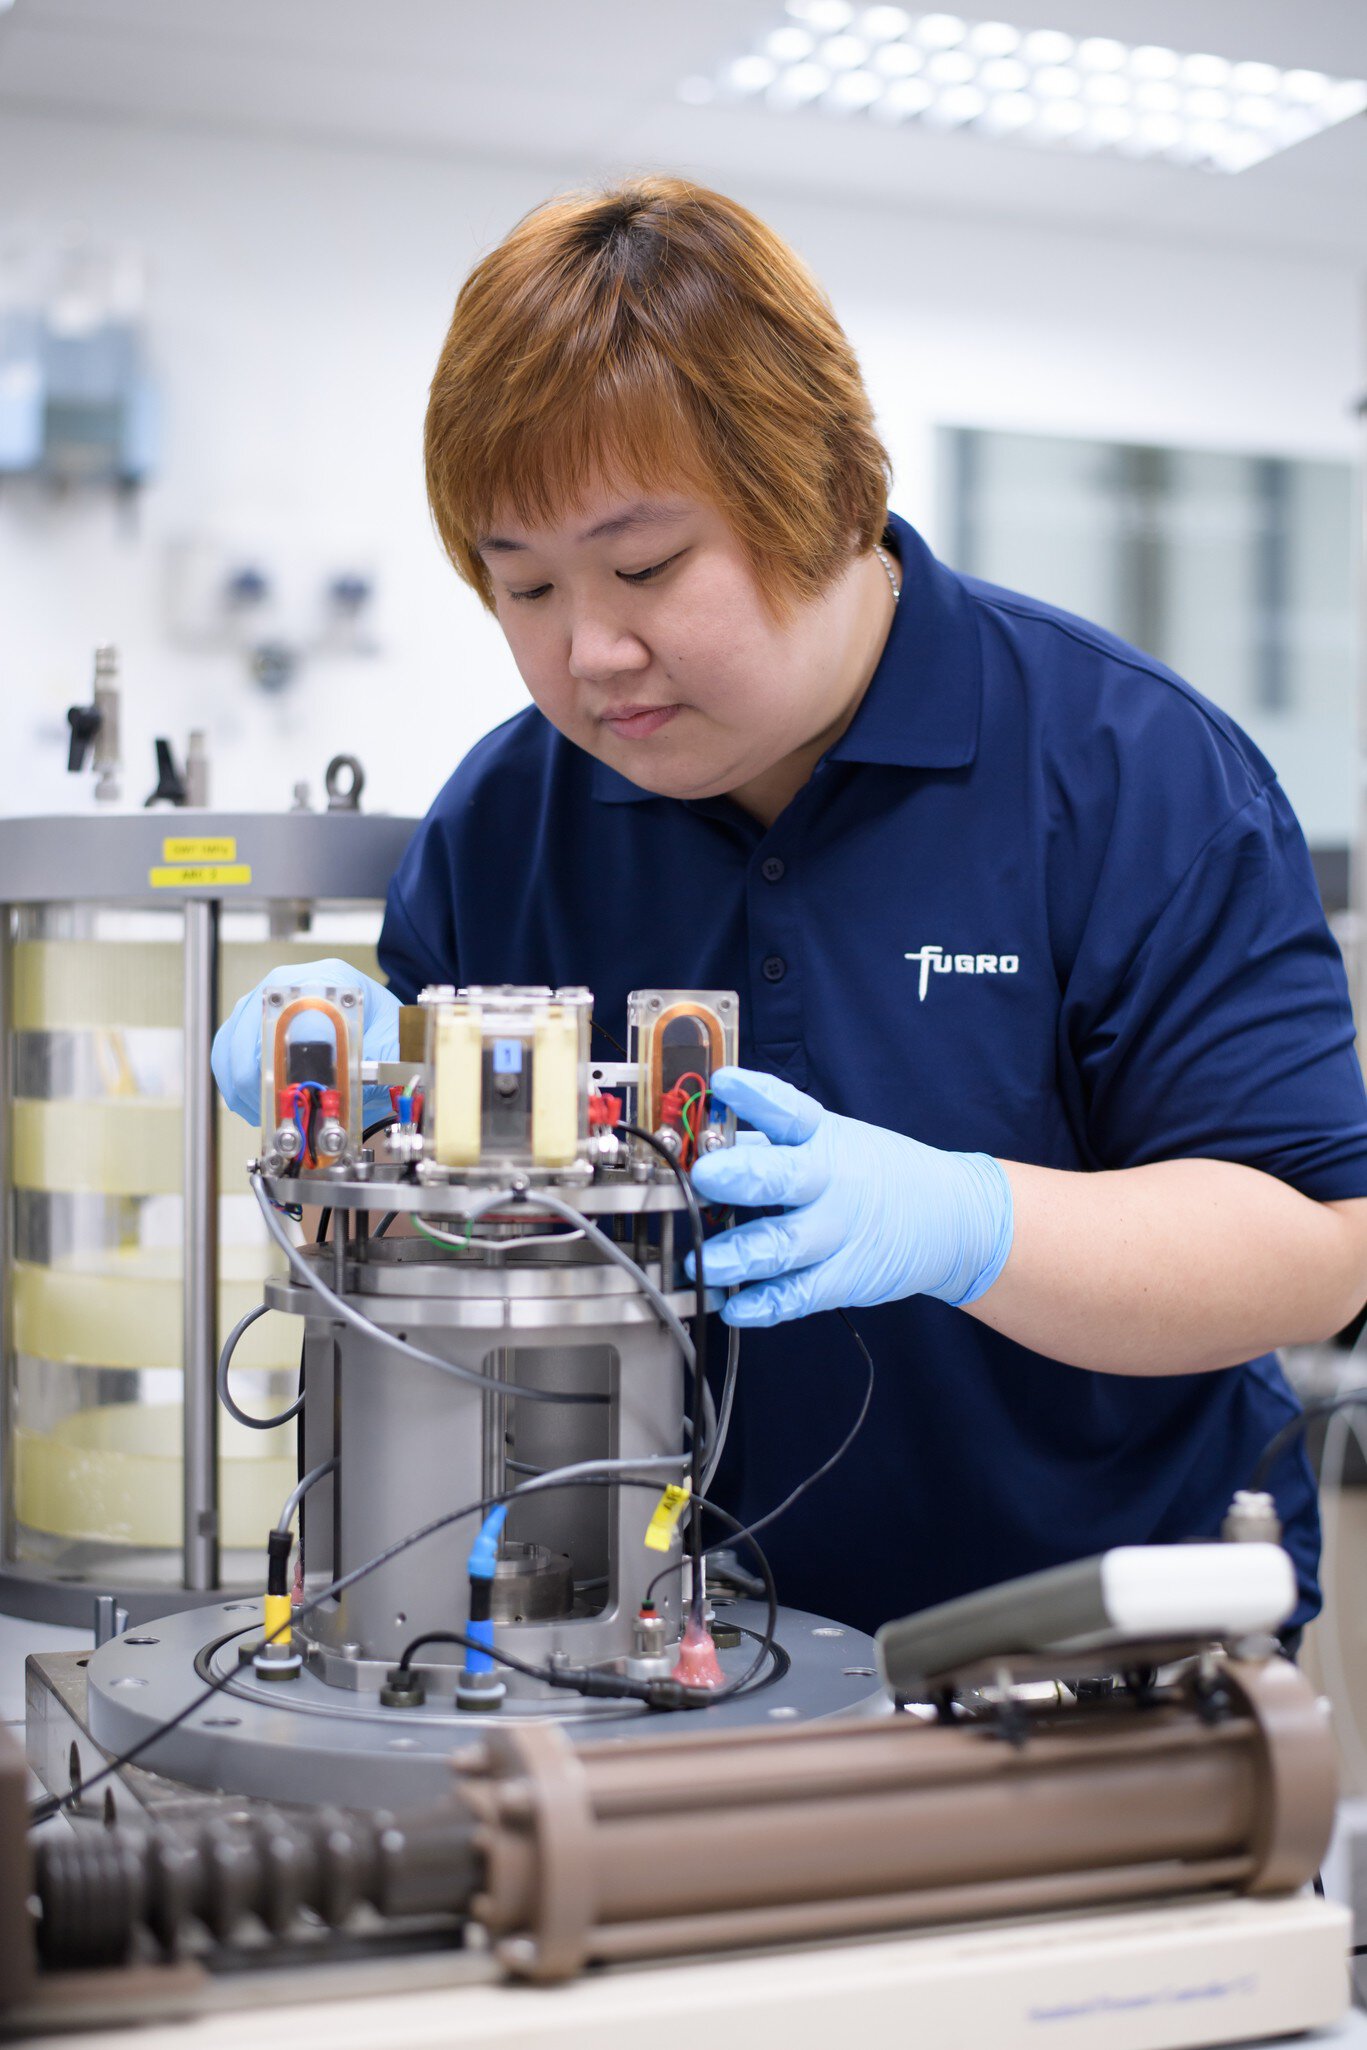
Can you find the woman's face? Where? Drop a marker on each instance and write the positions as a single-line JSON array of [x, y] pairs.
[[641, 633]]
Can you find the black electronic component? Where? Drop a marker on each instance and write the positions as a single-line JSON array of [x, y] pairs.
[[311, 1055]]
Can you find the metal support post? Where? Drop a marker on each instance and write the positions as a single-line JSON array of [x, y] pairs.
[[8, 1392], [494, 1423], [1357, 870], [200, 1257]]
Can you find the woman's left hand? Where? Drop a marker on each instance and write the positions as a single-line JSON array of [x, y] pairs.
[[870, 1215]]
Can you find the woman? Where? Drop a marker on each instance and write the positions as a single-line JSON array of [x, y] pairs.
[[1041, 1017]]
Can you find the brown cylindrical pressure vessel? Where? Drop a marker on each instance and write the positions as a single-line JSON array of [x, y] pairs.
[[617, 1850]]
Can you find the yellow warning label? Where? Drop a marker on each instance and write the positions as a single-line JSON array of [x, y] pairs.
[[208, 875], [665, 1521], [223, 849]]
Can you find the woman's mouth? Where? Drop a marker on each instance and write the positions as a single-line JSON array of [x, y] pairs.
[[638, 722]]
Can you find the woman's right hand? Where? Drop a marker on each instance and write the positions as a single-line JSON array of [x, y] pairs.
[[237, 1043]]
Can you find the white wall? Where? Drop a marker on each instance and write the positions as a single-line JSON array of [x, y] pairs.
[[299, 296]]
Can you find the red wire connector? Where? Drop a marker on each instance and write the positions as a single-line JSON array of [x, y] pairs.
[[332, 1103], [675, 1115], [604, 1112], [672, 1104], [698, 1664]]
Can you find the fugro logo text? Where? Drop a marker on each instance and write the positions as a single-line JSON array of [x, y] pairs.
[[935, 959]]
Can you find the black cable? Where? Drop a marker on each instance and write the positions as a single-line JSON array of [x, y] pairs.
[[383, 1226], [391, 1118], [469, 1644], [603, 1031], [592, 1682], [1326, 1406], [772, 1515], [613, 1685], [54, 1803], [699, 1353]]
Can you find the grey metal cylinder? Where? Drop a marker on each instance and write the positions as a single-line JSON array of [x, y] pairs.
[[414, 1443]]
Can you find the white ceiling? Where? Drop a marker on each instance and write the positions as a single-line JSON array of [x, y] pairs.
[[584, 85]]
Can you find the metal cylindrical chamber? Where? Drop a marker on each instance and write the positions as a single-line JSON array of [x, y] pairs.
[[613, 1852], [129, 1250], [414, 1443]]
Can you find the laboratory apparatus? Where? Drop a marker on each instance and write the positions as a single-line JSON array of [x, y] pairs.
[[518, 1695], [130, 1244]]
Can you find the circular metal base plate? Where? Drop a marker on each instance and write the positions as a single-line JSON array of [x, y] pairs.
[[39, 1594], [303, 1741]]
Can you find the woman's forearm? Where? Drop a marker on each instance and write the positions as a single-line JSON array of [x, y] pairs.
[[1181, 1267]]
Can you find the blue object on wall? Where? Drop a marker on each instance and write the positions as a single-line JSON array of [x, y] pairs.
[[76, 408]]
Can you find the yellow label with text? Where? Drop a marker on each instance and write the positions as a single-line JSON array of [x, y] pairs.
[[665, 1520], [223, 849], [208, 875]]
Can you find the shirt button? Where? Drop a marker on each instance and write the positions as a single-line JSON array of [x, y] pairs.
[[772, 869], [773, 968]]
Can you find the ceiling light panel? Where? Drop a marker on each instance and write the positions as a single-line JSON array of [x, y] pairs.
[[1031, 85]]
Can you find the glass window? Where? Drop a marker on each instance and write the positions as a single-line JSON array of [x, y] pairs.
[[1235, 570]]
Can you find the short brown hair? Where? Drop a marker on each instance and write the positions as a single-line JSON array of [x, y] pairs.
[[655, 331]]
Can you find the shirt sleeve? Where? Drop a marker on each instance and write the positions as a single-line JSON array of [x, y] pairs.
[[1230, 1035]]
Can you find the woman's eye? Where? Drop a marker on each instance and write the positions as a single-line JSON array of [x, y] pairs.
[[539, 591], [643, 576]]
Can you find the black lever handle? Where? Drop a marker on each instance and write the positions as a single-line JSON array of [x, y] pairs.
[[170, 781], [85, 722]]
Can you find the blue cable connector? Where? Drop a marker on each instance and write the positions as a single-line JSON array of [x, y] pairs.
[[483, 1559]]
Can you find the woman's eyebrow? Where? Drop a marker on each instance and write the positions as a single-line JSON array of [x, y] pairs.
[[645, 514]]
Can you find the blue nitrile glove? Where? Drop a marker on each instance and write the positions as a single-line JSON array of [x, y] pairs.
[[875, 1215], [237, 1043]]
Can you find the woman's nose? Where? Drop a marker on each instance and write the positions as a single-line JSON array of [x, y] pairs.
[[600, 650]]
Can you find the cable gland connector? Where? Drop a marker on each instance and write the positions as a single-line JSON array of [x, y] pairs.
[[697, 1664], [479, 1691], [404, 1687]]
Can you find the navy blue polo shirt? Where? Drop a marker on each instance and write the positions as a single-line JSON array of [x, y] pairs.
[[1041, 901]]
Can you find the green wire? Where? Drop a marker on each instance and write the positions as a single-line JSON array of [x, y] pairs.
[[688, 1103]]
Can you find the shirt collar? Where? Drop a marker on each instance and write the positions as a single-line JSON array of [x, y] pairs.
[[922, 707]]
